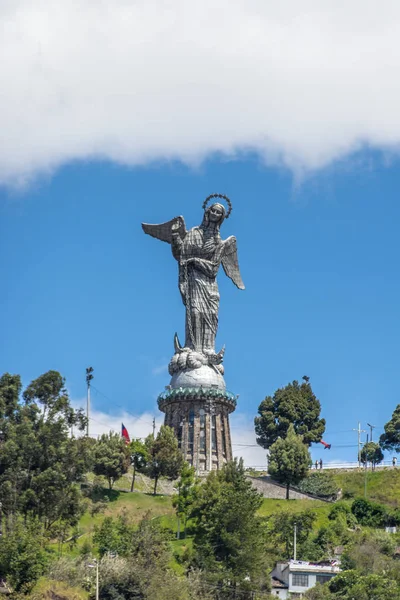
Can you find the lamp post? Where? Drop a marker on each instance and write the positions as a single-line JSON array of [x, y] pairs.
[[96, 566], [89, 377]]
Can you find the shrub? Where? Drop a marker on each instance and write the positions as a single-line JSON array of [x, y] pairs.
[[341, 510], [368, 513], [320, 483]]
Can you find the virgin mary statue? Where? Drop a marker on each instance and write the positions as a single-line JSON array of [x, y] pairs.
[[200, 252]]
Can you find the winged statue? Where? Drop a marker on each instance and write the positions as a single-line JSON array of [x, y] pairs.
[[199, 253]]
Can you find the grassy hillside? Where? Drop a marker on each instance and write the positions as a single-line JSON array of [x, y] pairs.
[[45, 589], [270, 506], [383, 486], [137, 504]]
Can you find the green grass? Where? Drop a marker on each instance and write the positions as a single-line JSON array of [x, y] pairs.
[[136, 505], [383, 486], [48, 589], [270, 506]]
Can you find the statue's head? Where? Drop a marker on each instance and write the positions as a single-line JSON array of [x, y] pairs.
[[216, 213]]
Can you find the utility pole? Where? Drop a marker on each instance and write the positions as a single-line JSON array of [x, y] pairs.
[[96, 566], [371, 427], [295, 542], [89, 377], [359, 432], [366, 473], [154, 426]]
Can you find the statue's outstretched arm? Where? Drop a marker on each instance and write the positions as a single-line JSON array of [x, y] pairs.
[[164, 231], [230, 262]]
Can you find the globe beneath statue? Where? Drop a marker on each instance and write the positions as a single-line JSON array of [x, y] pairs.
[[205, 376]]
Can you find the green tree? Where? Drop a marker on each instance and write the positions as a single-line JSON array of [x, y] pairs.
[[111, 457], [390, 440], [10, 389], [370, 552], [165, 456], [369, 513], [371, 453], [139, 458], [40, 466], [282, 526], [185, 499], [319, 592], [289, 460], [114, 535], [294, 404], [351, 585], [229, 535], [22, 557]]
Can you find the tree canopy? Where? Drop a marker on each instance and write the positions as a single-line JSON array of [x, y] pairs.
[[140, 456], [184, 500], [294, 404], [111, 457], [371, 453], [289, 459], [40, 465], [390, 440], [230, 536], [166, 458]]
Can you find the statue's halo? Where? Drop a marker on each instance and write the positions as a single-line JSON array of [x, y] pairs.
[[223, 197]]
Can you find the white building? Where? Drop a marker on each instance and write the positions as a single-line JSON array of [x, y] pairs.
[[291, 579]]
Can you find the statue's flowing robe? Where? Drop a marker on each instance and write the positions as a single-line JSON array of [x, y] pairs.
[[198, 286]]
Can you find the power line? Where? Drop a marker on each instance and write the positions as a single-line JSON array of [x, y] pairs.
[[120, 405]]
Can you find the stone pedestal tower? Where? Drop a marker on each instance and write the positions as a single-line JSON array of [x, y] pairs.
[[196, 403]]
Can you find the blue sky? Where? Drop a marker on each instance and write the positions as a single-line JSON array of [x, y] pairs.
[[116, 113], [84, 286]]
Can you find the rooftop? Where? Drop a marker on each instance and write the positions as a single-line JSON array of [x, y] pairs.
[[325, 567]]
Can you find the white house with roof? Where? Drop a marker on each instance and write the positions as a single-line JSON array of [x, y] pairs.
[[291, 579]]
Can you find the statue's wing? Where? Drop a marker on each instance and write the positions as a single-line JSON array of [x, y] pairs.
[[230, 262], [164, 231]]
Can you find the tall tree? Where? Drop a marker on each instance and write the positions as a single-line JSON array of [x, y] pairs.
[[371, 453], [139, 458], [294, 404], [10, 389], [390, 440], [39, 464], [229, 535], [111, 457], [184, 501], [165, 456], [289, 459]]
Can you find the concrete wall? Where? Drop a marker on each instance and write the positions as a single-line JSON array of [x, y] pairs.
[[271, 489]]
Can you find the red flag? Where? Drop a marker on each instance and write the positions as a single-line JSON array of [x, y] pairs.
[[125, 434]]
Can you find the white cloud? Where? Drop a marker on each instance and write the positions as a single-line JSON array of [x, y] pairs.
[[301, 83], [244, 441], [242, 430], [101, 422]]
